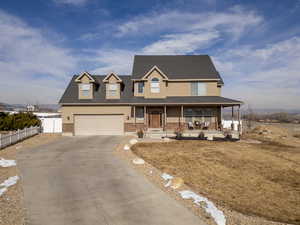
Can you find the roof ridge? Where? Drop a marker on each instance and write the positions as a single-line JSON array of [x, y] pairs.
[[174, 55]]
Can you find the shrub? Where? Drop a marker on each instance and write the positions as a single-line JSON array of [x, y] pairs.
[[18, 121]]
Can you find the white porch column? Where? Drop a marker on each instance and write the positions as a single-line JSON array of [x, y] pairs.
[[181, 115], [134, 116], [165, 117], [145, 116], [239, 118], [232, 125]]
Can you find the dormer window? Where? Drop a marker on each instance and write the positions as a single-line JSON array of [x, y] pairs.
[[154, 86], [112, 90], [85, 90]]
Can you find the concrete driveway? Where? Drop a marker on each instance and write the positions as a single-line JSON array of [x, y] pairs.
[[79, 181]]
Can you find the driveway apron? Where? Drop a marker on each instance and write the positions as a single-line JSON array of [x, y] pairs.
[[79, 181]]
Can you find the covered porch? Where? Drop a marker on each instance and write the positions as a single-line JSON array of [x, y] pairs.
[[184, 117]]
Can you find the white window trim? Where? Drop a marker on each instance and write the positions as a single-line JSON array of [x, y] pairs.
[[85, 90], [112, 90], [155, 86]]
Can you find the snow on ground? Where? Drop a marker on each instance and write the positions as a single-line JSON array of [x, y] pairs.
[[133, 141], [7, 183], [209, 207], [166, 176], [7, 163]]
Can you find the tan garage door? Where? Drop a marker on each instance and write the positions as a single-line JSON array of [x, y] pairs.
[[99, 125]]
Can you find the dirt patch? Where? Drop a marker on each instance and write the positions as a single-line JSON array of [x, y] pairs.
[[297, 135], [11, 202], [254, 179]]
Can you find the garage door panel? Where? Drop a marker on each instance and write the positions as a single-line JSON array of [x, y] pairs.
[[99, 125]]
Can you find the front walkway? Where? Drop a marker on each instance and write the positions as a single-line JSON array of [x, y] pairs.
[[79, 181]]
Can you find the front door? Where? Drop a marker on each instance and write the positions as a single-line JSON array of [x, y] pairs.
[[155, 120]]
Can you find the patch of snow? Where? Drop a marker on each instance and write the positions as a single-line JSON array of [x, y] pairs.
[[7, 163], [126, 147], [169, 183], [133, 141], [7, 183], [138, 161], [166, 176], [209, 207]]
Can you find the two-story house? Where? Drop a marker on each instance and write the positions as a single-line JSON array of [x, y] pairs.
[[162, 93]]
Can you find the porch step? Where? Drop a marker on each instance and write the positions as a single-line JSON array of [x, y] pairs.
[[155, 133]]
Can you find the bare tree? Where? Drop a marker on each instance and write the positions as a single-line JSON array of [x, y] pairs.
[[250, 117]]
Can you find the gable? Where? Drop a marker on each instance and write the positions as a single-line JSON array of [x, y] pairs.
[[112, 77], [85, 77], [156, 70]]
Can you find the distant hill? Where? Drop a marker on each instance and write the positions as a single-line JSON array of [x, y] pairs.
[[18, 107]]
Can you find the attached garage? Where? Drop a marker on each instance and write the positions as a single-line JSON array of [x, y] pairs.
[[99, 124]]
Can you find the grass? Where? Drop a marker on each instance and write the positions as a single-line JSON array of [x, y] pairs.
[[254, 179]]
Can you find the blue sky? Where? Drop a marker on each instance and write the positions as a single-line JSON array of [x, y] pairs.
[[255, 44]]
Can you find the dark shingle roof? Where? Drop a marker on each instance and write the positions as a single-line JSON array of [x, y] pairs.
[[176, 66], [71, 95]]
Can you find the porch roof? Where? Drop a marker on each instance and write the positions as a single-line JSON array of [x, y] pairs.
[[184, 100]]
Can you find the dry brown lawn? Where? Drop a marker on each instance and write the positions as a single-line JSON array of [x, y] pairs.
[[254, 179]]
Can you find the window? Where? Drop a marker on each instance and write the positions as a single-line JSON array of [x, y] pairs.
[[85, 90], [154, 86], [139, 112], [198, 111], [198, 89], [112, 89], [140, 87]]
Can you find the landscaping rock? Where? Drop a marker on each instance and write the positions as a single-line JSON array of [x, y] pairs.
[[210, 137], [138, 161], [177, 182], [126, 147], [166, 139], [133, 141]]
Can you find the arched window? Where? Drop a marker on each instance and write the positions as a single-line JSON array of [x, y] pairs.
[[155, 85]]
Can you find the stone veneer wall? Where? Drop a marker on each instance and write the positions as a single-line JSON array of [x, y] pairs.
[[131, 127], [68, 128]]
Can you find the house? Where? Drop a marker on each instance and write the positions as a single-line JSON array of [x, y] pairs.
[[2, 107], [162, 93], [31, 108]]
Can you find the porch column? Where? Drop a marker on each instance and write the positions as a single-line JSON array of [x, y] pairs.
[[232, 125], [239, 118], [134, 116], [221, 117], [181, 115], [165, 117], [145, 117]]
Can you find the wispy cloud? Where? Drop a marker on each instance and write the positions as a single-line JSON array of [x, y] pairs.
[[235, 21], [71, 2], [181, 43], [30, 60], [264, 77]]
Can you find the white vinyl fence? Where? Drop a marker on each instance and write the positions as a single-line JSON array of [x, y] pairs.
[[51, 125], [14, 137], [227, 124]]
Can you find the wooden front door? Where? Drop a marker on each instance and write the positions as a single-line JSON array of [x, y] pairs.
[[155, 120]]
